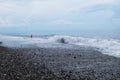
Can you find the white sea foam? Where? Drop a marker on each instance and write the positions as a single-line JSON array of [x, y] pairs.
[[106, 46]]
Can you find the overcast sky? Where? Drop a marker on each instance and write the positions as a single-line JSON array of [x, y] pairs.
[[55, 14]]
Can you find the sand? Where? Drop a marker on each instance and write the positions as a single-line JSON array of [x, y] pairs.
[[57, 64]]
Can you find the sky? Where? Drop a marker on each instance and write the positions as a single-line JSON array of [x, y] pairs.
[[59, 16]]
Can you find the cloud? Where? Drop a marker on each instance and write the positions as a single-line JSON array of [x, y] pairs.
[[1, 22], [6, 22], [25, 10], [65, 22], [101, 14], [46, 7]]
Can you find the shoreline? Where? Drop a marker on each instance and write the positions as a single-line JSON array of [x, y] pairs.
[[57, 64]]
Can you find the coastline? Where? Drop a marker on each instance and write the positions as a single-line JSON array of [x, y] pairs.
[[57, 64]]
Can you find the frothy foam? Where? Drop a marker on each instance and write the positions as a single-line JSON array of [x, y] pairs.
[[106, 46]]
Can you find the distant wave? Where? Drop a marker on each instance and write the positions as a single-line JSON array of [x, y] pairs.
[[106, 46]]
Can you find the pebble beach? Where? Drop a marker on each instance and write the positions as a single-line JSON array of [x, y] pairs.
[[57, 64]]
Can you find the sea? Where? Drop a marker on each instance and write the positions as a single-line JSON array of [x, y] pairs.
[[106, 40]]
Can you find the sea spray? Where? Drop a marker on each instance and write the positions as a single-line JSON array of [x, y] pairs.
[[106, 46]]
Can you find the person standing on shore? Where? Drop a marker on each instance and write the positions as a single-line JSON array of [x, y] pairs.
[[31, 36]]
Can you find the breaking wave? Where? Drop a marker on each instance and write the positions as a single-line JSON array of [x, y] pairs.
[[106, 46]]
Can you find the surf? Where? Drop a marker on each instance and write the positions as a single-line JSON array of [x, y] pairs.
[[106, 46]]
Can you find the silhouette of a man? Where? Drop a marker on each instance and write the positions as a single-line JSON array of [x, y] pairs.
[[31, 36]]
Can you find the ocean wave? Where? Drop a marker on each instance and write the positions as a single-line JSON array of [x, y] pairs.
[[106, 46]]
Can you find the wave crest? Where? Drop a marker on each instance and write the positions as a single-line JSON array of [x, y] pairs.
[[106, 46]]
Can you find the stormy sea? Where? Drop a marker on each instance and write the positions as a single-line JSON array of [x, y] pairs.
[[59, 57]]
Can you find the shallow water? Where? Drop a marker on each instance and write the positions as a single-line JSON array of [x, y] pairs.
[[106, 46]]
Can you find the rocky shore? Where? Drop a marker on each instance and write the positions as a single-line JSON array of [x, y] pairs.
[[57, 64]]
